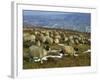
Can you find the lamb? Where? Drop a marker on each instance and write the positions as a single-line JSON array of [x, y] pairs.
[[37, 53]]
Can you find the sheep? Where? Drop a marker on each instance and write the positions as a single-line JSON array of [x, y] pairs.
[[76, 41], [46, 33], [25, 34], [42, 38], [36, 32], [71, 37], [26, 37], [66, 39], [32, 38], [88, 41], [68, 50], [37, 52], [56, 41], [51, 35], [49, 40], [29, 37], [72, 41]]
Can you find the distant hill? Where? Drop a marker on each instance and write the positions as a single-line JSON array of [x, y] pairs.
[[64, 20]]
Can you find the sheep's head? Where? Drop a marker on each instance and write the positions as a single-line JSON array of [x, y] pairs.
[[76, 49], [47, 47]]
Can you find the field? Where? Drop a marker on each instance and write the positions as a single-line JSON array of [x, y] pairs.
[[78, 40]]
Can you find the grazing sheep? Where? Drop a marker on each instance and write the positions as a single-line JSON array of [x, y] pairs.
[[37, 52], [71, 37], [46, 33], [58, 37], [51, 35], [72, 41], [26, 37], [66, 39], [56, 41], [88, 41], [25, 34], [36, 33], [42, 38], [49, 40], [32, 38], [76, 41]]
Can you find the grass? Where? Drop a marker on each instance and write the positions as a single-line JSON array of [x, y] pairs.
[[67, 61]]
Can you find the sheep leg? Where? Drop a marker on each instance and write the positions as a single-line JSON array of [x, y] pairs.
[[43, 58], [34, 59], [41, 61], [75, 54]]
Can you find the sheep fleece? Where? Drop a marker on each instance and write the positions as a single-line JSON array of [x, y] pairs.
[[36, 51], [69, 50]]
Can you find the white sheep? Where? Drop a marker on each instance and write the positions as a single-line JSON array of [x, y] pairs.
[[49, 40], [26, 37], [25, 34], [37, 52], [42, 38], [68, 50], [58, 37], [56, 41], [32, 38], [66, 39]]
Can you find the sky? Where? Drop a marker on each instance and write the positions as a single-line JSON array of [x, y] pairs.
[[31, 12], [54, 19]]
